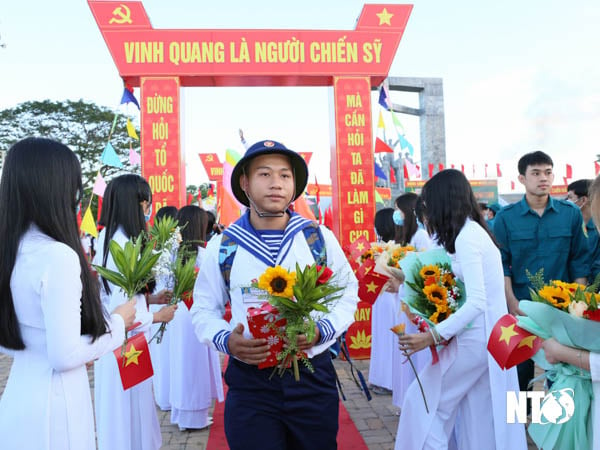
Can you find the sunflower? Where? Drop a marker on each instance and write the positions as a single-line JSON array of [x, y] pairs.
[[556, 296], [448, 280], [436, 294], [367, 255], [442, 312], [278, 281], [571, 287], [430, 271]]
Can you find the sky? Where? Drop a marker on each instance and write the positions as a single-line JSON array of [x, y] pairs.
[[517, 75]]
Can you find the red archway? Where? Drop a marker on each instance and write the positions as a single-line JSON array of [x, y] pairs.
[[161, 61]]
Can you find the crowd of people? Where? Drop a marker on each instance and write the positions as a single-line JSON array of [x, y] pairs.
[[56, 316]]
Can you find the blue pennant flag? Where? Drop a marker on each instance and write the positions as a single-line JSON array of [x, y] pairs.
[[128, 97], [110, 158], [379, 173], [383, 99], [405, 144]]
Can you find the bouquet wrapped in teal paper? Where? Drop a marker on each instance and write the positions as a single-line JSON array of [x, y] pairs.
[[431, 290], [569, 313]]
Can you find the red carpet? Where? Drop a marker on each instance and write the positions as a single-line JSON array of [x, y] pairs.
[[348, 436]]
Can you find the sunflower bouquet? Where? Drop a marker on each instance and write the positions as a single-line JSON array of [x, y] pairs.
[[576, 299], [432, 291], [294, 299], [567, 312]]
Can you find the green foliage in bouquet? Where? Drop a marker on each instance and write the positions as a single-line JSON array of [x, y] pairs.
[[134, 263], [296, 295], [162, 230], [184, 273], [185, 276]]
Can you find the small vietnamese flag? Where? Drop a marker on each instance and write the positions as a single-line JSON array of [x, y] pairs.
[[190, 199], [596, 167], [370, 286], [510, 344], [512, 185], [430, 167], [498, 171], [135, 364], [358, 247]]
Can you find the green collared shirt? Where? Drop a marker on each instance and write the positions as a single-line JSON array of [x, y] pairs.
[[554, 241], [594, 249]]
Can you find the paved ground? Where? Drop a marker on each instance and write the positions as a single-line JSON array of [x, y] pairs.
[[376, 420]]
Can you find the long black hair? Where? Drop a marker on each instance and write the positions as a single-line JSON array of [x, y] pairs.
[[407, 203], [384, 224], [41, 185], [192, 220], [448, 201], [124, 209]]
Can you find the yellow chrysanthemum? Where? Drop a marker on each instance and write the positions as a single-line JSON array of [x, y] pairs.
[[556, 296], [571, 287], [436, 294], [430, 271], [278, 281]]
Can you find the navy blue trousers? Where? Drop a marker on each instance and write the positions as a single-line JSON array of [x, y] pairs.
[[281, 413]]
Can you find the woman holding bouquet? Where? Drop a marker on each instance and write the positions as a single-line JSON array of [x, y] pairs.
[[555, 352], [51, 318], [408, 232], [195, 367], [466, 385], [126, 420]]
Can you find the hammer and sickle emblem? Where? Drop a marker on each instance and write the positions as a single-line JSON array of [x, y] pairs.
[[122, 14], [209, 158]]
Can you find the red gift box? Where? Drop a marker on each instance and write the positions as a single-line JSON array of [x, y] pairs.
[[265, 322]]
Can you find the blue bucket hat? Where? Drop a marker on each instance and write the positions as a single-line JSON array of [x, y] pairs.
[[265, 148]]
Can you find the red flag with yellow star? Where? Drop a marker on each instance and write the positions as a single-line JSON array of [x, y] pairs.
[[369, 286], [511, 345], [135, 364], [358, 247]]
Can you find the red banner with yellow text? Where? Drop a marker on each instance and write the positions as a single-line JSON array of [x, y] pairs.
[[352, 176], [162, 163]]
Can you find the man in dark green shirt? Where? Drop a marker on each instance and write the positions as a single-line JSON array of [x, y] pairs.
[[539, 232]]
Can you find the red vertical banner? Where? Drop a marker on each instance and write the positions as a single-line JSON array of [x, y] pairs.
[[162, 162], [358, 336], [353, 184], [352, 170]]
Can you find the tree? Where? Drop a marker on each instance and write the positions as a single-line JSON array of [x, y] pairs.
[[84, 127]]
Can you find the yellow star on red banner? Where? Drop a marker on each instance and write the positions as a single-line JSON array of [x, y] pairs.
[[527, 341], [385, 17], [507, 333], [371, 287], [360, 246], [132, 356]]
